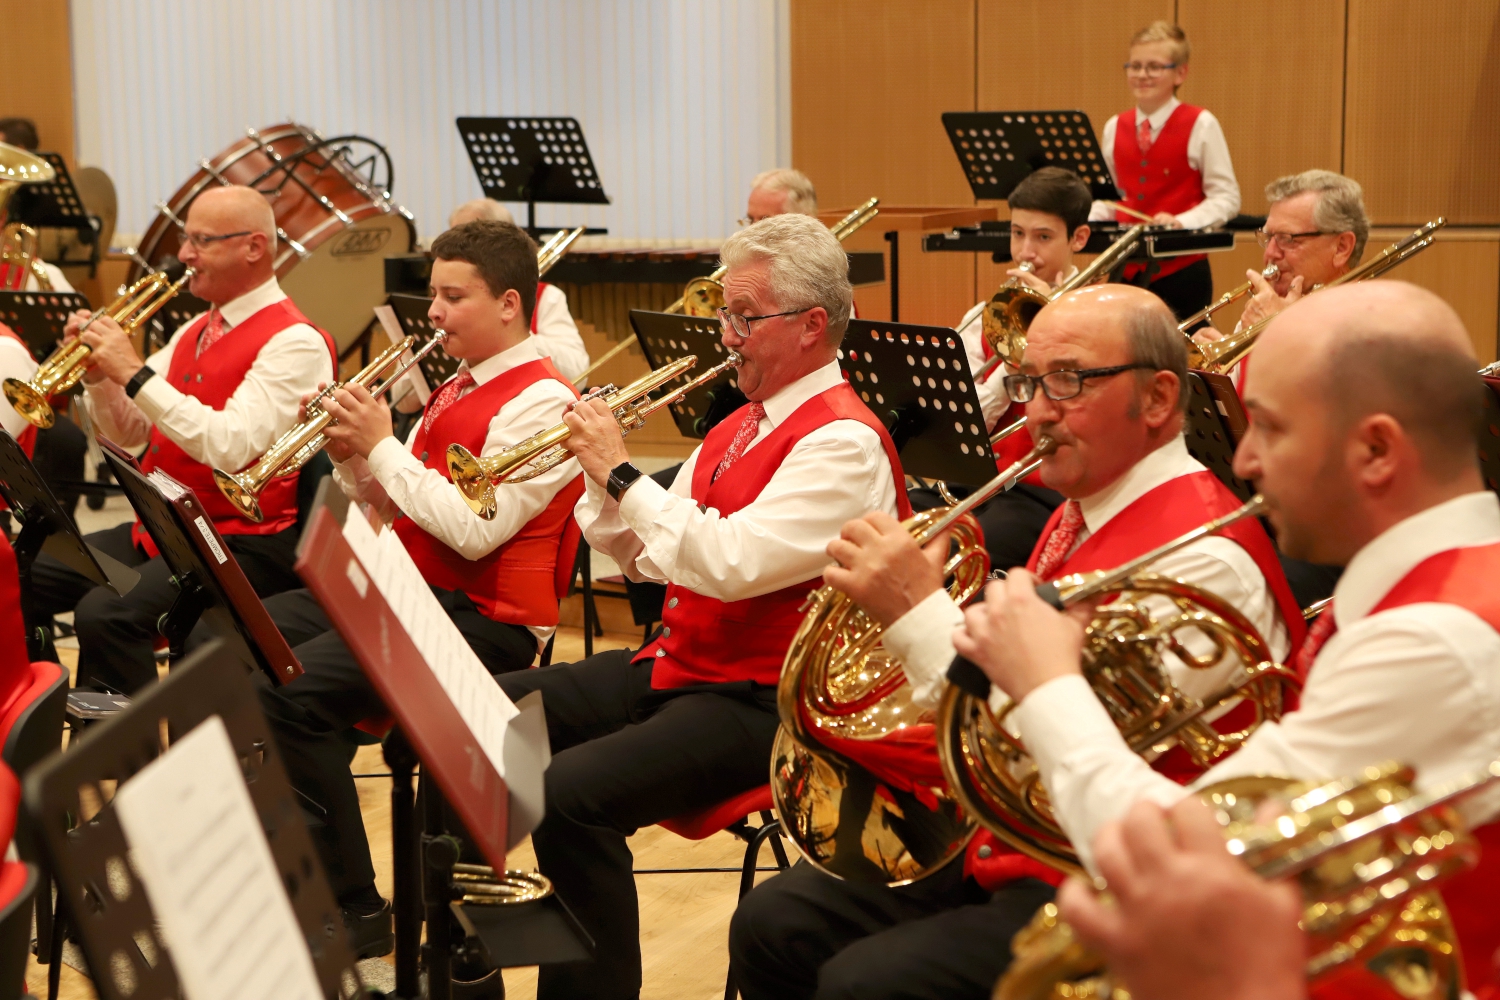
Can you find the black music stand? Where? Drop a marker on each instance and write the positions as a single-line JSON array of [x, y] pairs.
[[53, 204], [118, 926], [38, 318], [210, 584], [666, 337], [433, 732], [531, 160], [998, 149], [1215, 422], [411, 312]]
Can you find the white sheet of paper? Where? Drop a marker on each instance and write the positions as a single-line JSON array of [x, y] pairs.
[[484, 708], [413, 380], [198, 847]]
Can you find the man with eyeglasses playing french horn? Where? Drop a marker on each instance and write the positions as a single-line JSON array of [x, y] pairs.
[[1365, 410], [1103, 377]]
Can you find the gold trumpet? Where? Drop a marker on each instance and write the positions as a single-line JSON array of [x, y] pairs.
[[66, 366], [839, 682], [297, 446], [1367, 853], [1219, 356], [476, 478], [989, 769], [1270, 272], [555, 249]]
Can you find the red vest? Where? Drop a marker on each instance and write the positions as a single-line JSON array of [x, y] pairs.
[[1160, 180], [27, 438], [212, 379], [541, 286], [708, 641], [1155, 518], [513, 583]]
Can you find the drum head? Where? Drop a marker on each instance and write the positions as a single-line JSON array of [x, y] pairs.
[[339, 286]]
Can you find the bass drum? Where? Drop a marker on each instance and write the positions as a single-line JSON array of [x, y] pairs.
[[335, 221]]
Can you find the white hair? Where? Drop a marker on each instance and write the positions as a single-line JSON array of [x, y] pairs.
[[808, 266], [801, 196], [1340, 207], [480, 208]]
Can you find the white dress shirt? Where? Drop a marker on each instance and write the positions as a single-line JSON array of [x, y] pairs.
[[922, 639], [557, 335], [1208, 153], [832, 475], [1418, 684], [15, 362], [993, 402], [395, 479], [290, 365]]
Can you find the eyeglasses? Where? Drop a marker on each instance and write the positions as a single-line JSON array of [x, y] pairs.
[[1286, 241], [203, 240], [1059, 385], [741, 324], [1147, 69]]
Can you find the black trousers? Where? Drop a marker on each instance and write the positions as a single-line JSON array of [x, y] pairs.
[[310, 715], [1185, 291], [59, 457], [623, 757], [1012, 521], [117, 634], [806, 934]]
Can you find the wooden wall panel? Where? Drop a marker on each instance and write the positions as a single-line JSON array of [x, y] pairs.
[[870, 81], [37, 54], [1240, 73], [1422, 126]]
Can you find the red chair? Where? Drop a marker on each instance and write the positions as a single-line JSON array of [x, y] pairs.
[[733, 815], [18, 887]]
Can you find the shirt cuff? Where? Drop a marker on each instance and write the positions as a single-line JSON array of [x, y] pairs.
[[641, 504], [390, 456], [155, 397], [922, 639], [1060, 716]]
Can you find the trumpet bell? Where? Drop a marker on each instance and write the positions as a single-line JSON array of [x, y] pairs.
[[29, 403], [703, 297], [1007, 317], [239, 492], [472, 481]]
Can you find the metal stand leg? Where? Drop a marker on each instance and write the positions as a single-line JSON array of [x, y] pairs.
[[894, 239], [768, 830], [439, 854], [408, 887]]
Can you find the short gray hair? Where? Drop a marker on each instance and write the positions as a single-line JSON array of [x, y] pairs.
[[485, 209], [801, 196], [1340, 207], [1152, 338], [808, 266]]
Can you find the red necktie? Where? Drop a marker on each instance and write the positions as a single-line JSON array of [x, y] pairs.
[[754, 414], [1321, 631], [446, 397], [1060, 542], [212, 330], [1143, 136]]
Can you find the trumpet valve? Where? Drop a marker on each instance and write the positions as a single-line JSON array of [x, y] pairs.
[[239, 493]]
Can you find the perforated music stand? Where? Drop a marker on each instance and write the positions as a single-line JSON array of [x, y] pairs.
[[411, 312], [90, 859], [211, 586], [1211, 431], [666, 337], [916, 380], [531, 160], [53, 204], [38, 318], [998, 149]]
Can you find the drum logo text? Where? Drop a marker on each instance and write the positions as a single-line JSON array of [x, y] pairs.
[[360, 241]]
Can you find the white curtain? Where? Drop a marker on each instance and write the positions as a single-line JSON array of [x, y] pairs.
[[681, 101]]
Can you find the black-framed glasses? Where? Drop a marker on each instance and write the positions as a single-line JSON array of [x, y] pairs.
[[741, 324], [1060, 385], [1148, 69], [1286, 241], [202, 240]]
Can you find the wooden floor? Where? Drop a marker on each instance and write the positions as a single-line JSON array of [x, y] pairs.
[[684, 918]]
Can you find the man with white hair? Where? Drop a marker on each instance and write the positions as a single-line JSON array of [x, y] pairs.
[[227, 385], [688, 721], [552, 327], [782, 191]]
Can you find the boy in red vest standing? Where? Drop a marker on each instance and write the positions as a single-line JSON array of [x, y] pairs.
[[1102, 376], [688, 721], [1364, 413], [494, 578], [226, 386], [1170, 161]]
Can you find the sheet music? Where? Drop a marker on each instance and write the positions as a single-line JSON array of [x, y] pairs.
[[484, 708], [168, 487], [199, 850], [413, 380]]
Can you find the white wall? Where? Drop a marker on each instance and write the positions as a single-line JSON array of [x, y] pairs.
[[681, 101]]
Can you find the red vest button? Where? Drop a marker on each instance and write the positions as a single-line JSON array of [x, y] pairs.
[[672, 603], [666, 631], [661, 652], [984, 851]]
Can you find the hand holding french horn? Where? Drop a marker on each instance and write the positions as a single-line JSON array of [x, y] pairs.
[[1019, 640]]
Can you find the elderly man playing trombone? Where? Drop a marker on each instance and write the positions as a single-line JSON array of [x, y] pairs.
[[1103, 377]]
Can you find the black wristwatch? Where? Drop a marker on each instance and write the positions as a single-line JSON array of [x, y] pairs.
[[139, 379], [621, 478]]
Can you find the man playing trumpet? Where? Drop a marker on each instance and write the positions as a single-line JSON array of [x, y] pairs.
[[1103, 376], [226, 386]]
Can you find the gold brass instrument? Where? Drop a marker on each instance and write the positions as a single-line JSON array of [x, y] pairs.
[[298, 445], [18, 246], [478, 885], [476, 478], [704, 296], [1270, 272], [1367, 853], [62, 370], [839, 682], [1219, 356], [1010, 311], [988, 767], [555, 249]]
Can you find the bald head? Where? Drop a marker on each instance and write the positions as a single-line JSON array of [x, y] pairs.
[[1132, 315], [480, 210], [235, 209], [240, 254]]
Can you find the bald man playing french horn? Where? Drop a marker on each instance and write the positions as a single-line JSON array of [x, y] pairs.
[[1104, 375]]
